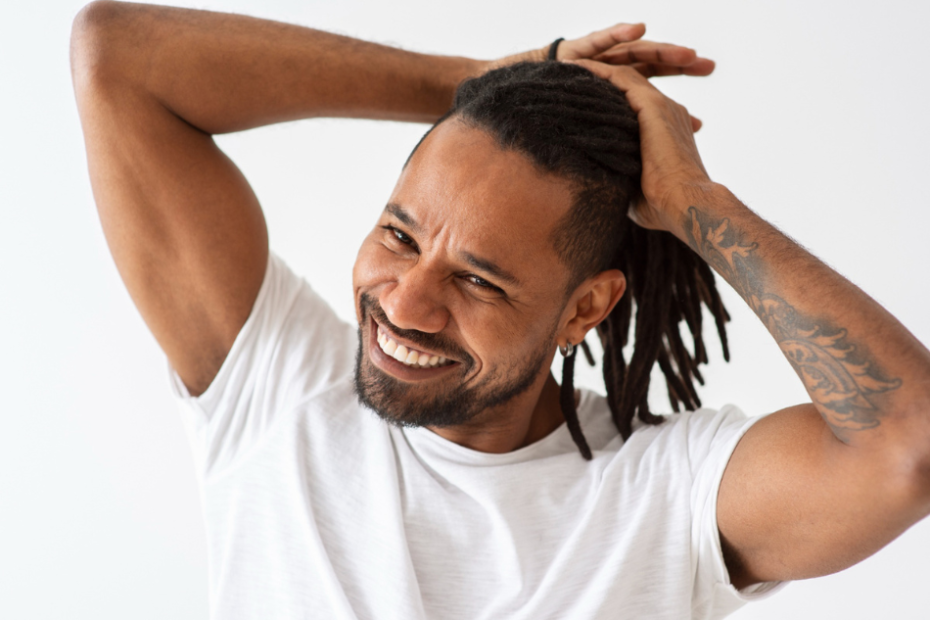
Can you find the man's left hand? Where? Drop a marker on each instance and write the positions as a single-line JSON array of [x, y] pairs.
[[671, 162]]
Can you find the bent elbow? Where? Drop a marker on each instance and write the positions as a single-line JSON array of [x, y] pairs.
[[922, 478], [93, 43], [913, 456]]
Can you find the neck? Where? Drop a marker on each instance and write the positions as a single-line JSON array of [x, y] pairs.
[[521, 422]]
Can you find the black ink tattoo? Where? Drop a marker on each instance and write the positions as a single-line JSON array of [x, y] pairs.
[[839, 378]]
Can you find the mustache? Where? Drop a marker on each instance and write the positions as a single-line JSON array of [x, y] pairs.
[[434, 342]]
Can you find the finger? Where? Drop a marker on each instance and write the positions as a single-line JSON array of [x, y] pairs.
[[623, 78], [600, 41], [653, 70], [648, 52], [696, 124]]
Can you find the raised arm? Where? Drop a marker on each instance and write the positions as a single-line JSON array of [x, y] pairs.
[[812, 489], [185, 229], [153, 85]]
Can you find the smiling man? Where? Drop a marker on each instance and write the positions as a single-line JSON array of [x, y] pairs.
[[463, 205], [425, 463]]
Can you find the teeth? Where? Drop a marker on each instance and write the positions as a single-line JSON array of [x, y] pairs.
[[389, 346], [410, 357]]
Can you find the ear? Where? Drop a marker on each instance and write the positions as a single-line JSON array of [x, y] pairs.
[[590, 304]]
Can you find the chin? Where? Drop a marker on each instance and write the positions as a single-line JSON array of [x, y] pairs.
[[445, 401]]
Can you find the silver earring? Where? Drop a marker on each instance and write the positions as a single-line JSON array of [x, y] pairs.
[[568, 350]]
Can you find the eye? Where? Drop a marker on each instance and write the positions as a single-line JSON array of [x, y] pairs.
[[482, 283], [399, 235]]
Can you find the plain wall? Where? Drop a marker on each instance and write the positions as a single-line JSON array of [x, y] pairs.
[[815, 117]]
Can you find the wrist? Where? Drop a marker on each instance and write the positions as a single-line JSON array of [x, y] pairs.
[[705, 195], [473, 68]]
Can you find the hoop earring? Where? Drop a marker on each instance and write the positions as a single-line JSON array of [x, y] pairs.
[[568, 350]]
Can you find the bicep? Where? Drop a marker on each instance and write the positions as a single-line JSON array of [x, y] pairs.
[[184, 227], [795, 502]]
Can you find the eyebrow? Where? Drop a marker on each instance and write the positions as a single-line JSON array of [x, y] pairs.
[[481, 264], [398, 211]]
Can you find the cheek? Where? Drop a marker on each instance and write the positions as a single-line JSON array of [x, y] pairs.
[[502, 339], [376, 270], [374, 265]]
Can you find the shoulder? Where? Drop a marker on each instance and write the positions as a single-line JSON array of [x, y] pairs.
[[292, 349], [307, 346], [699, 429]]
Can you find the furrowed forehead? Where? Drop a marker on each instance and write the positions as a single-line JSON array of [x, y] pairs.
[[493, 207], [486, 265]]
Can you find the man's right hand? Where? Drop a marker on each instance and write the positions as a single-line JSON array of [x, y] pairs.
[[622, 44]]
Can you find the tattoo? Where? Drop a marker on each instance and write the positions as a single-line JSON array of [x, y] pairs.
[[839, 378]]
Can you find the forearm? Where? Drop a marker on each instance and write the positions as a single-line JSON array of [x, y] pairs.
[[866, 374], [222, 72]]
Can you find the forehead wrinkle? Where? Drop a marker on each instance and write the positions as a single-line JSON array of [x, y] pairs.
[[490, 203]]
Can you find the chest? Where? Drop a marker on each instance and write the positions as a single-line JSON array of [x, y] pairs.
[[370, 528]]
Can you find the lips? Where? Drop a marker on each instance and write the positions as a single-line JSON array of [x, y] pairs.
[[409, 356], [379, 342]]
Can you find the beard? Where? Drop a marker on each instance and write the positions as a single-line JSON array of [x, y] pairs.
[[451, 400]]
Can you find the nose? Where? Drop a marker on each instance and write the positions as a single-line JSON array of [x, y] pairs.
[[414, 301]]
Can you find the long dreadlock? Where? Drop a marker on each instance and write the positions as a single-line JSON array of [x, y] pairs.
[[581, 127]]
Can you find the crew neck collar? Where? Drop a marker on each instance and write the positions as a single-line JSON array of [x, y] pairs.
[[559, 441]]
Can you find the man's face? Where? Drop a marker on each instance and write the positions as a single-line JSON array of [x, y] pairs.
[[459, 292]]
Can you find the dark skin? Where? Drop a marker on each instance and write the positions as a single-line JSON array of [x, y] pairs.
[[815, 488], [460, 194], [809, 490]]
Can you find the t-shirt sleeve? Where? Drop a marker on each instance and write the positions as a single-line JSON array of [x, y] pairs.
[[712, 437], [292, 348]]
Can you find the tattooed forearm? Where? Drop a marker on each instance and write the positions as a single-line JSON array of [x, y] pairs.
[[839, 378]]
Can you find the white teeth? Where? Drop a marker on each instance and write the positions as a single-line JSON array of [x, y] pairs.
[[389, 347], [410, 357]]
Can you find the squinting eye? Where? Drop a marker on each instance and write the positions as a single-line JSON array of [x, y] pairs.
[[402, 237], [481, 282], [399, 235]]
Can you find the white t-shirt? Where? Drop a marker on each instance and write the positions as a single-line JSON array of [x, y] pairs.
[[316, 508]]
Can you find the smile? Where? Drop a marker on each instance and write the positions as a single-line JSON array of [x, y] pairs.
[[406, 355], [403, 361]]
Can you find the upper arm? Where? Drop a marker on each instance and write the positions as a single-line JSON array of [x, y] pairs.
[[184, 227], [795, 502]]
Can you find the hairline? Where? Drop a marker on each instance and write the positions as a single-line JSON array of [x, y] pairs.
[[577, 273]]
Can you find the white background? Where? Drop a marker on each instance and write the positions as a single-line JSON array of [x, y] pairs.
[[815, 118]]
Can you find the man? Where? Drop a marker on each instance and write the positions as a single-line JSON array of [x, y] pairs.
[[505, 239]]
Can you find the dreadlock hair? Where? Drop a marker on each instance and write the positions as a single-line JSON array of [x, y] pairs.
[[578, 126]]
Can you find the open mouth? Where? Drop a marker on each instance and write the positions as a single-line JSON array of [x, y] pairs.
[[408, 355], [404, 360]]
